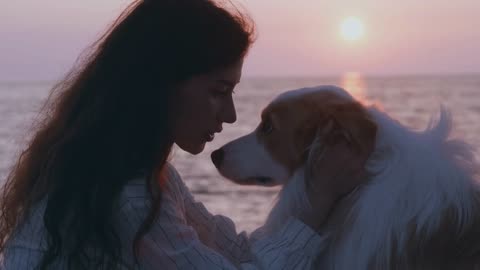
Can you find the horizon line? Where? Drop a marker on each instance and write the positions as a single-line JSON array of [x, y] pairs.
[[295, 76]]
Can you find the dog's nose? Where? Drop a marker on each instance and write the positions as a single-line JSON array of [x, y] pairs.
[[217, 157]]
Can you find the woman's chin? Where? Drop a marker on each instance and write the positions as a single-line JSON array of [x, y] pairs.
[[193, 149], [198, 150]]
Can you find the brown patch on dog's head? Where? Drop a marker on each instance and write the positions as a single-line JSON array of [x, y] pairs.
[[289, 125]]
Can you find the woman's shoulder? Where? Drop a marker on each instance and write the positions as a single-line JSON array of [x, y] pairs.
[[136, 189], [171, 173], [174, 184]]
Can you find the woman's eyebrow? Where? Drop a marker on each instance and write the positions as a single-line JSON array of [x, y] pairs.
[[227, 82]]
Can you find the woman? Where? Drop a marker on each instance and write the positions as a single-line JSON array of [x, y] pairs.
[[94, 190]]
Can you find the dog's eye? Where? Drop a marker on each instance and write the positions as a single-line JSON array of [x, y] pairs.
[[266, 127]]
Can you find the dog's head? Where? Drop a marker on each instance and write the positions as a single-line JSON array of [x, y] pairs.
[[289, 125]]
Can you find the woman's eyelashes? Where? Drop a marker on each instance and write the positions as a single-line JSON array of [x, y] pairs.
[[223, 92]]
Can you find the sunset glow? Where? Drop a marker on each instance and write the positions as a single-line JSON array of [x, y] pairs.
[[41, 40]]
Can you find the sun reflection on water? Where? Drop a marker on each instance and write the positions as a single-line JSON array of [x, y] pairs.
[[355, 84]]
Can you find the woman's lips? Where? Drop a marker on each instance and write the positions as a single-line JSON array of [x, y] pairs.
[[210, 137]]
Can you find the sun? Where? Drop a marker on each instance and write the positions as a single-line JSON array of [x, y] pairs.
[[352, 29]]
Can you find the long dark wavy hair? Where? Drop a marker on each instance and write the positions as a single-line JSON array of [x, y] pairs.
[[108, 122]]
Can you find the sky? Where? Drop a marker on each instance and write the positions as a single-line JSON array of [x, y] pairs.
[[40, 40]]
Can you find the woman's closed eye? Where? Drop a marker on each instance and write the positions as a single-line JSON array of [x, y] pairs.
[[222, 92]]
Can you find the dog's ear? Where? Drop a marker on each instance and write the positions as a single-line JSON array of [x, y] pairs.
[[347, 119], [308, 135], [356, 125], [347, 122]]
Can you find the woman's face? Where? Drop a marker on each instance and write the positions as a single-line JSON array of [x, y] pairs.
[[203, 104]]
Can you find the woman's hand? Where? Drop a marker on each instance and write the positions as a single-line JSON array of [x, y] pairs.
[[335, 168]]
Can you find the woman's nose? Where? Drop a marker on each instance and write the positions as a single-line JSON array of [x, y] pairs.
[[229, 113]]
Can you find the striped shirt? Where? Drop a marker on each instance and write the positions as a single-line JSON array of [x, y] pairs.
[[185, 236]]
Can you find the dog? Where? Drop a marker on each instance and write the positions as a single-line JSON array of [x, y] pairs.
[[419, 208]]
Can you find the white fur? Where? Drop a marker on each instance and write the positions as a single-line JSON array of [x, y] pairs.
[[417, 176], [291, 202], [245, 158]]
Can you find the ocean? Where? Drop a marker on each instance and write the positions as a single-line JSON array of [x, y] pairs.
[[413, 100]]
